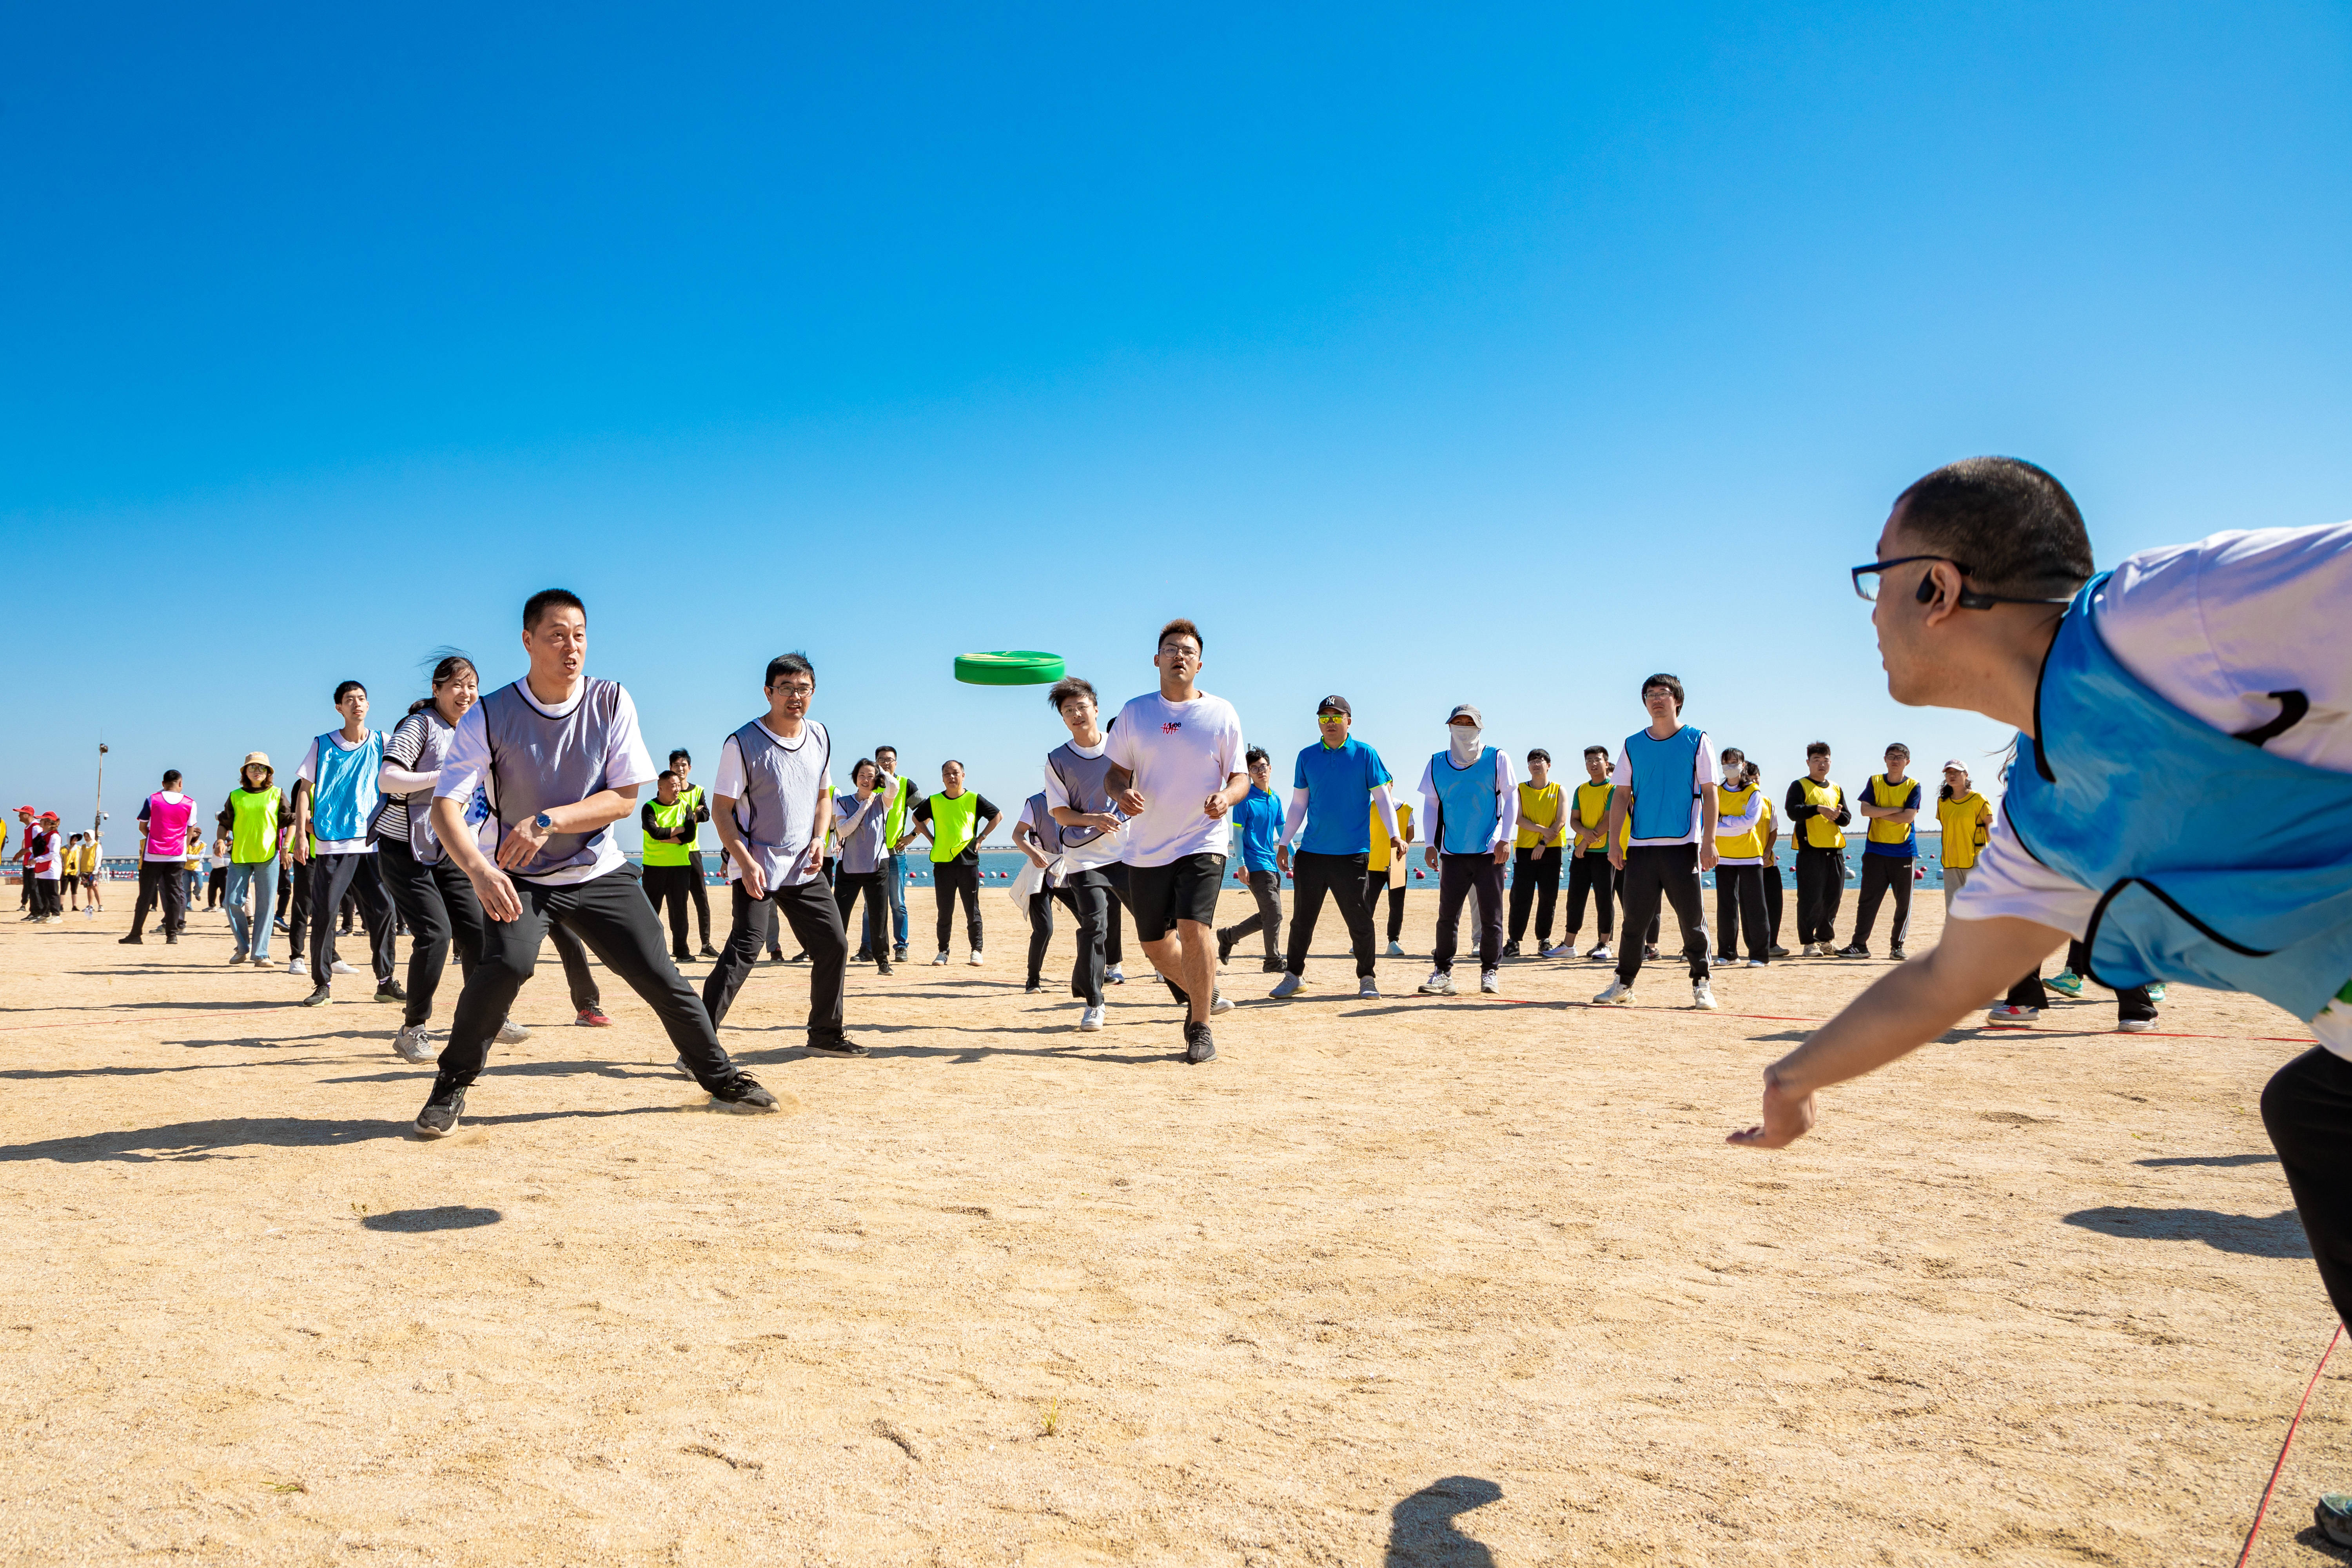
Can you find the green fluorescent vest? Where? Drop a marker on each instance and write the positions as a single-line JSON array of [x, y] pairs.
[[952, 825], [671, 817], [253, 832]]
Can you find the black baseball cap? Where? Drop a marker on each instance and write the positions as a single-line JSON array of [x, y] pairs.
[[1335, 703]]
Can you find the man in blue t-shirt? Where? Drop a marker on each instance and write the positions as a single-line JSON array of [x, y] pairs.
[[1334, 780], [1890, 801], [1666, 776], [1257, 826]]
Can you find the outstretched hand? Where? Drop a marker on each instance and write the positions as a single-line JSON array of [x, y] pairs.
[[1788, 1116]]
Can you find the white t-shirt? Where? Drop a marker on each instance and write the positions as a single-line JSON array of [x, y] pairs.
[[2213, 628], [1707, 772], [309, 772], [1180, 753], [627, 762]]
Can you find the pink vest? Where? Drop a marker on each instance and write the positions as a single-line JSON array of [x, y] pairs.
[[167, 826]]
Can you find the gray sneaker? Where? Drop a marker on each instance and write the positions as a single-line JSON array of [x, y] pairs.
[[1199, 1046], [1439, 983], [1368, 989], [1490, 982], [1289, 985], [511, 1034], [1217, 1003], [413, 1043]]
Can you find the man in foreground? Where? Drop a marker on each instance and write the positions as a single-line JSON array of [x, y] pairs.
[[558, 759], [2213, 671], [1176, 770]]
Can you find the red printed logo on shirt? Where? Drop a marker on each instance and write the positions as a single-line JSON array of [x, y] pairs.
[[1171, 727]]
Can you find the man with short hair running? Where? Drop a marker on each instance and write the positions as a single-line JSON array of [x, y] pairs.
[[341, 769], [1667, 775], [1177, 770], [1890, 801], [1257, 839], [1817, 815], [1090, 840], [697, 805], [163, 821], [1535, 853], [951, 821], [556, 759], [1332, 783], [1471, 802], [774, 799]]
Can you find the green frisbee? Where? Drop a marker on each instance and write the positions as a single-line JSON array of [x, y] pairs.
[[1013, 666]]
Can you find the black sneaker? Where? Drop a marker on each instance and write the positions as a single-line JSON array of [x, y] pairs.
[[318, 998], [1511, 949], [681, 958], [1275, 966], [1649, 950], [861, 956], [1897, 954], [898, 955], [708, 950], [1198, 1046], [133, 940], [390, 991], [170, 938], [1225, 947], [839, 1045], [447, 1103], [1852, 950], [742, 1093]]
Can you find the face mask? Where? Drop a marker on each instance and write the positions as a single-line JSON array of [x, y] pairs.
[[1463, 740]]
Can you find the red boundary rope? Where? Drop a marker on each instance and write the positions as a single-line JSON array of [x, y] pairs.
[[2263, 1506]]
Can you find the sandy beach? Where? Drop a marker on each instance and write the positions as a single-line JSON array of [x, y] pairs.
[[1420, 1280]]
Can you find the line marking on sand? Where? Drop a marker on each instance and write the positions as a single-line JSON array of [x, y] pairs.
[[2264, 1505], [1786, 1018]]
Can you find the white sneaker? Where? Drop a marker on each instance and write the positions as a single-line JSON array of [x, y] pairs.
[[297, 966], [1702, 996], [1565, 950], [1439, 983], [1617, 993], [2002, 1016], [1289, 985], [1217, 1003], [1812, 950], [974, 959], [1368, 989], [2134, 1025], [338, 967], [412, 1044], [684, 1071], [1114, 976], [511, 1034], [1396, 950], [1490, 982], [1601, 954], [942, 958], [1090, 1020]]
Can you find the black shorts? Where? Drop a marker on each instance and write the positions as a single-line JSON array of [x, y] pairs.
[[1183, 890]]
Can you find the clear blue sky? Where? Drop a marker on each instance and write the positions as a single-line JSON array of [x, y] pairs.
[[1422, 357]]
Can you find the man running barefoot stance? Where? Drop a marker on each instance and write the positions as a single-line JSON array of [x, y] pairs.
[[774, 806], [2217, 671], [1176, 770], [1472, 804], [1089, 838], [1667, 776], [558, 759], [1332, 783]]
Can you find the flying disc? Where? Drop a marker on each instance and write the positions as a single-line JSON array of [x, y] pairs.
[[1015, 667]]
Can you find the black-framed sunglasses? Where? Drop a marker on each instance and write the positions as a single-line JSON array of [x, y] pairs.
[[1865, 585]]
